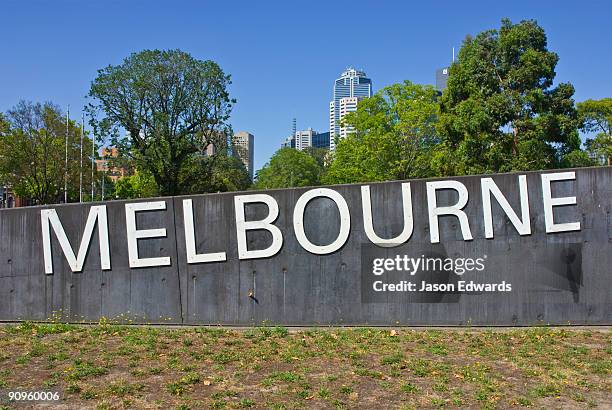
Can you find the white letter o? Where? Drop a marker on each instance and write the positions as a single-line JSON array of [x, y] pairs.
[[298, 221]]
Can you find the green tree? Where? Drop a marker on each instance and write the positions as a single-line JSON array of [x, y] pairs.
[[394, 136], [32, 153], [220, 173], [320, 155], [289, 167], [577, 159], [500, 112], [596, 116], [4, 125], [139, 185], [172, 106]]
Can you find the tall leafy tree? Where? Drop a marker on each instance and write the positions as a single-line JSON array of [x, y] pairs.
[[289, 167], [394, 136], [137, 185], [172, 106], [500, 111], [4, 125], [32, 153], [596, 116], [320, 155], [220, 173]]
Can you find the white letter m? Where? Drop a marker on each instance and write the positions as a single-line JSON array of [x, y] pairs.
[[96, 213]]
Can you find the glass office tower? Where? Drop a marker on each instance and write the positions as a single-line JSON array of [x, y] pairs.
[[352, 86]]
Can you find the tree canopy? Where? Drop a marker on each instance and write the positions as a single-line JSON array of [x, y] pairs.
[[172, 106], [289, 167], [138, 185], [394, 136], [500, 111], [596, 116], [33, 149], [220, 173]]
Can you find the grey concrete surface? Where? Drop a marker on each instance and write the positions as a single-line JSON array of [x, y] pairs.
[[557, 279]]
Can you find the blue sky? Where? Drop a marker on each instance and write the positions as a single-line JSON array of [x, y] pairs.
[[283, 56]]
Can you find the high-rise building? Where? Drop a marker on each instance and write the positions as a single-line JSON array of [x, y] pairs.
[[289, 142], [321, 140], [307, 138], [303, 139], [352, 86], [347, 104], [244, 148], [441, 78]]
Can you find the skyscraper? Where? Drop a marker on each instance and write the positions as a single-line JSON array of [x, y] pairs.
[[321, 140], [352, 86], [441, 78], [244, 145]]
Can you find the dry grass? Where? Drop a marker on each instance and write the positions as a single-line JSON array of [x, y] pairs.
[[114, 366]]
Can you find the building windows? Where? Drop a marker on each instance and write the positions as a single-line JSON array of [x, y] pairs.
[[352, 86]]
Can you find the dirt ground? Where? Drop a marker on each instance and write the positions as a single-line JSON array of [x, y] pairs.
[[113, 366]]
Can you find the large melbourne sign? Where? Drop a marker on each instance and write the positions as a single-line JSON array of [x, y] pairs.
[[524, 248]]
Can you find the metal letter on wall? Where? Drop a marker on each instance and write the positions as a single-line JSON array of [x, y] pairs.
[[550, 202], [133, 234], [96, 213], [298, 221], [368, 223], [489, 187], [190, 245], [435, 211], [266, 224]]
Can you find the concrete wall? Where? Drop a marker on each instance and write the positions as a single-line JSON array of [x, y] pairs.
[[560, 278]]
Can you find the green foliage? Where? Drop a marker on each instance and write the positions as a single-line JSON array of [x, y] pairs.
[[500, 112], [33, 149], [289, 167], [319, 154], [84, 369], [4, 125], [394, 358], [394, 136], [139, 185], [219, 173], [409, 388], [577, 159], [173, 107], [596, 116], [180, 386]]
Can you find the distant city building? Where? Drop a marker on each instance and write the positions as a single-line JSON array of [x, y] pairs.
[[303, 139], [441, 78], [210, 150], [352, 86], [289, 142], [307, 138], [348, 104], [8, 199], [244, 144], [321, 140], [114, 172], [217, 142]]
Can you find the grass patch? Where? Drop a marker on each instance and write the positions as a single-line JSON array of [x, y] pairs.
[[178, 387], [83, 370], [111, 365]]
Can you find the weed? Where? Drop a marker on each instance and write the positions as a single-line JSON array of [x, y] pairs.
[[409, 388]]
